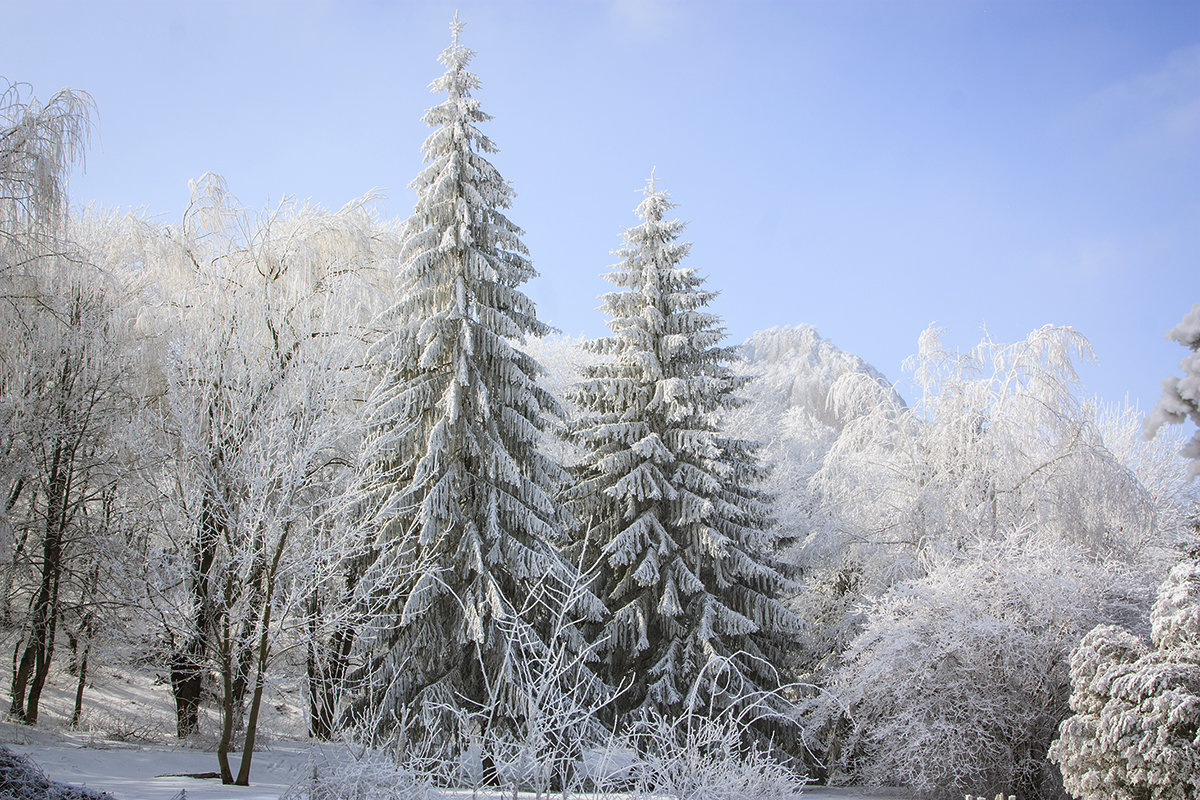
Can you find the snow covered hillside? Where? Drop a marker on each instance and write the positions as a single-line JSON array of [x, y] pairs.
[[794, 371], [800, 393]]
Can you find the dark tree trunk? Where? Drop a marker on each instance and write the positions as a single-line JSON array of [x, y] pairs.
[[244, 654], [186, 686], [243, 778], [34, 664], [18, 554], [226, 660], [21, 672], [327, 665], [82, 665], [187, 663], [41, 661]]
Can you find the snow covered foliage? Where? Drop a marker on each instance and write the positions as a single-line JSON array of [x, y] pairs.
[[961, 522], [39, 145], [564, 361], [793, 372], [360, 773], [20, 779], [958, 680], [256, 434], [63, 392], [1181, 396], [458, 485], [701, 757], [667, 506], [1136, 728], [801, 391]]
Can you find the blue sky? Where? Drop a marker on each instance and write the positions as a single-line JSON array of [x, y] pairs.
[[866, 167]]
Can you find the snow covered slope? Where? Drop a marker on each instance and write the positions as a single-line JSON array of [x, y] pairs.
[[794, 369], [801, 392]]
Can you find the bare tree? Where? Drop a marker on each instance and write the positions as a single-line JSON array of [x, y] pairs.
[[971, 540], [258, 422]]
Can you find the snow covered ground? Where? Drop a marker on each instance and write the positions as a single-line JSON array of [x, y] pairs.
[[156, 772], [124, 744]]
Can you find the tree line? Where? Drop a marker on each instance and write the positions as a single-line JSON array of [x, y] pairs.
[[251, 443]]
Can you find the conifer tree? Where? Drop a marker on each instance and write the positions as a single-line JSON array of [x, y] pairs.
[[464, 500], [1181, 396], [667, 505]]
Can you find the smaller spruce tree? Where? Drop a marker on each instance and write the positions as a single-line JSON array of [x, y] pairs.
[[667, 507]]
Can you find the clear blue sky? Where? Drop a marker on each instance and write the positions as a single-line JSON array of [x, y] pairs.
[[866, 167]]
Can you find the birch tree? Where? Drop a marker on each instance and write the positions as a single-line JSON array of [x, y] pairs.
[[258, 413]]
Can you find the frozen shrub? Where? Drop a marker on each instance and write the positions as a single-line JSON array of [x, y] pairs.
[[697, 758], [20, 779], [1135, 734], [1175, 619], [372, 775], [959, 680]]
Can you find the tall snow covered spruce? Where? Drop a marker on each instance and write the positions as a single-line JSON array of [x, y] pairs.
[[666, 504], [464, 501]]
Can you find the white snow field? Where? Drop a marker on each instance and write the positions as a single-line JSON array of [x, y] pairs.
[[156, 772], [124, 744]]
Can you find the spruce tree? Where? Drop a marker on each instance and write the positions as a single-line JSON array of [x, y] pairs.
[[465, 505], [667, 506]]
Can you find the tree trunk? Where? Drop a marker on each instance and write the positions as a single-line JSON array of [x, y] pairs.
[[39, 646], [226, 647], [18, 552], [244, 651], [187, 664], [83, 665], [81, 644], [326, 671], [320, 700], [327, 665], [243, 778], [23, 666], [263, 595], [186, 686], [41, 661]]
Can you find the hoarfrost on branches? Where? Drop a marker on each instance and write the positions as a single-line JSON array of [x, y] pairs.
[[1135, 732], [996, 459], [1181, 395], [457, 482], [669, 507]]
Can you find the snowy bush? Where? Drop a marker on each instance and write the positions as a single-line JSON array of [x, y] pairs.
[[1135, 734], [20, 779], [371, 774], [707, 758], [969, 541], [959, 679]]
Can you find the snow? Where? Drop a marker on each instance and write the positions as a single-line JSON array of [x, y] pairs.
[[154, 772], [138, 703]]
